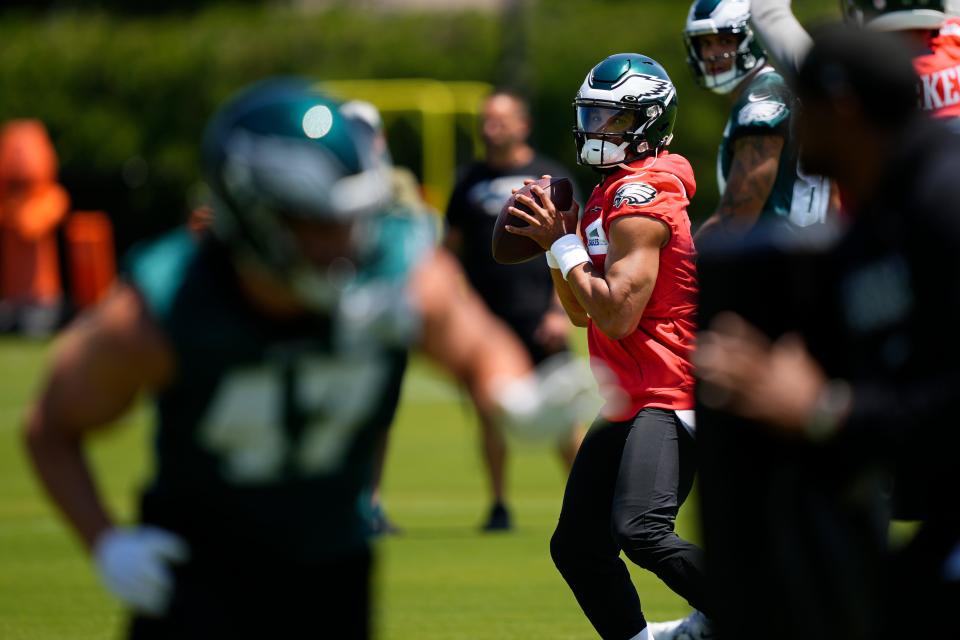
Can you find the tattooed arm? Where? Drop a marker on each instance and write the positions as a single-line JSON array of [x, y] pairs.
[[753, 171]]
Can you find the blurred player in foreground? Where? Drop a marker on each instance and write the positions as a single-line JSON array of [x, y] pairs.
[[405, 201], [629, 277], [274, 350], [930, 28], [522, 294], [757, 161], [870, 378]]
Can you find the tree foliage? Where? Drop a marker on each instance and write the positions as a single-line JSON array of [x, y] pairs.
[[126, 94]]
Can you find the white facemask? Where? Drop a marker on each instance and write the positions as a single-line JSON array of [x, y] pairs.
[[602, 153]]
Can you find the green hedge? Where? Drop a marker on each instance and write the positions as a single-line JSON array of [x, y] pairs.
[[126, 97]]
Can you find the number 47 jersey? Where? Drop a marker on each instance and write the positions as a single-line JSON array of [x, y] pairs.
[[265, 438]]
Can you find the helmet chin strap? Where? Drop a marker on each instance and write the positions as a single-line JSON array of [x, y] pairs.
[[627, 167]]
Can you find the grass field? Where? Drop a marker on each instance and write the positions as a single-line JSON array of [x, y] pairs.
[[440, 579]]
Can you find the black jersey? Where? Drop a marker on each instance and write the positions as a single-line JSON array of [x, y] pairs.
[[519, 292], [266, 437]]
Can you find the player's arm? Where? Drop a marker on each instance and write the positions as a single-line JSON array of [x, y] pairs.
[[783, 36], [753, 172], [578, 316], [575, 311], [615, 300], [461, 335], [99, 366]]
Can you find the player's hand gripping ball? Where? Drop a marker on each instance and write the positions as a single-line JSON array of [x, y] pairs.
[[510, 248]]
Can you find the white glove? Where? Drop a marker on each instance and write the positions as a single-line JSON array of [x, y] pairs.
[[547, 403], [133, 563]]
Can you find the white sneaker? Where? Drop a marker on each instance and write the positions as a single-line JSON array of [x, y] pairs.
[[695, 626]]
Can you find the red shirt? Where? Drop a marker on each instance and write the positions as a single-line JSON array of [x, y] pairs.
[[939, 72], [652, 364]]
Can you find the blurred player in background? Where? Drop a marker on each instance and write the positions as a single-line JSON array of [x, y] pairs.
[[867, 377], [630, 278], [521, 295], [757, 164], [274, 348], [930, 29]]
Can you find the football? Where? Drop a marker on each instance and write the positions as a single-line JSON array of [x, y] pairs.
[[509, 248]]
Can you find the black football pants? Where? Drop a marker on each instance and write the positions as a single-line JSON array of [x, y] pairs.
[[626, 486]]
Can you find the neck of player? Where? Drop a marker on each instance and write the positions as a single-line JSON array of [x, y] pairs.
[[516, 155]]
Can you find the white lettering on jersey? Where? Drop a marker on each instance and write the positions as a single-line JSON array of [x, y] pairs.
[[941, 88], [244, 424], [636, 194], [951, 95]]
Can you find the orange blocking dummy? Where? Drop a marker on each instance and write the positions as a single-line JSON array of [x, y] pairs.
[[32, 204]]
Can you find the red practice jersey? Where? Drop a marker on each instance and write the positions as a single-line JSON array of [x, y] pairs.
[[652, 364], [939, 72]]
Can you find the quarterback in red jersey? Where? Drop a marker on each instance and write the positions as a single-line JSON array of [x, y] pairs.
[[651, 358], [629, 277]]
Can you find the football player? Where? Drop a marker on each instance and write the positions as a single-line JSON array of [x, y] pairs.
[[757, 167], [273, 349], [629, 278], [930, 28], [851, 406]]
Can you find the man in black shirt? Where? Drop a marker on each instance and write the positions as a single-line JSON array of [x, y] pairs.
[[872, 383], [522, 295]]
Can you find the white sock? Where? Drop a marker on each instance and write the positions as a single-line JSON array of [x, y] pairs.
[[643, 635]]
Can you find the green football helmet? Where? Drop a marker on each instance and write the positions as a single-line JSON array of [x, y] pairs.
[[625, 110], [896, 15], [283, 151], [710, 17]]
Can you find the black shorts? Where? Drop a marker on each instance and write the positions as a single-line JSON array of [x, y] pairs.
[[326, 600]]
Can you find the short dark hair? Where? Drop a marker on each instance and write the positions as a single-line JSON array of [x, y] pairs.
[[874, 69]]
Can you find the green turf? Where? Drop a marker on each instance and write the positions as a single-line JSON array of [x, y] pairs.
[[440, 579]]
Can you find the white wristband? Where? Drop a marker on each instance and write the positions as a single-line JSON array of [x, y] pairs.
[[551, 261], [569, 252]]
